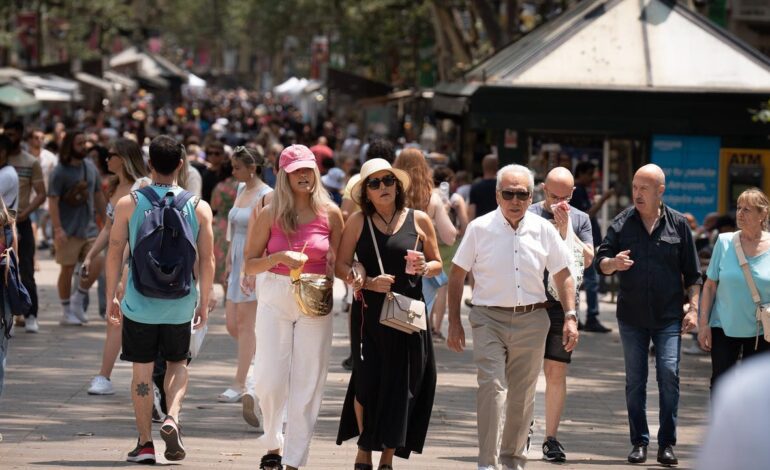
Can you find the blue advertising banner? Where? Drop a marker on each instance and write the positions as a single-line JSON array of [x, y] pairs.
[[691, 165]]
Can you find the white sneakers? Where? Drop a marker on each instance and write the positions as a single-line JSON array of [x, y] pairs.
[[101, 385], [76, 306], [31, 325], [251, 409], [68, 319]]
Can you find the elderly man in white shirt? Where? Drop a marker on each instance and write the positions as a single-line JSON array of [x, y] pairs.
[[508, 250]]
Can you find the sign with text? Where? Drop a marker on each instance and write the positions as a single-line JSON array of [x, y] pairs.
[[691, 165]]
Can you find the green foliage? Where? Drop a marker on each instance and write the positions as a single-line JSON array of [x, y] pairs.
[[762, 114]]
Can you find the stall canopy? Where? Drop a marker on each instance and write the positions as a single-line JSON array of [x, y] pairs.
[[19, 100]]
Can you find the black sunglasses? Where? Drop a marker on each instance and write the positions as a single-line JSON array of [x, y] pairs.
[[113, 154], [374, 183], [520, 195]]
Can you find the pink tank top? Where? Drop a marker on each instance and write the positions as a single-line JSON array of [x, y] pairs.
[[315, 233]]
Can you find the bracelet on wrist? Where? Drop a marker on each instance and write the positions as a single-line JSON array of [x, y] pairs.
[[570, 313]]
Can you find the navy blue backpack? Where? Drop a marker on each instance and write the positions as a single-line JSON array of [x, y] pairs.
[[164, 254]]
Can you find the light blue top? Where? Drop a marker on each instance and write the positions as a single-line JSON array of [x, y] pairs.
[[147, 309], [734, 311]]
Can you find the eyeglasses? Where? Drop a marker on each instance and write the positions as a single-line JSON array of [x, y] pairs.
[[214, 152], [374, 183], [509, 195], [113, 154]]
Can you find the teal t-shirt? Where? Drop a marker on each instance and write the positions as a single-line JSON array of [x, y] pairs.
[[147, 309], [734, 311]]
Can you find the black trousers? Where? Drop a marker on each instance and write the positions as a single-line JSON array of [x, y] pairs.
[[726, 350], [27, 261]]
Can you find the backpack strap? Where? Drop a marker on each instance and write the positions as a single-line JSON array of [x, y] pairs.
[[151, 195], [181, 199]]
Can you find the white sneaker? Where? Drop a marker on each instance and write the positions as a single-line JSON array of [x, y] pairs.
[[251, 409], [68, 319], [101, 385], [76, 307], [157, 411], [31, 325]]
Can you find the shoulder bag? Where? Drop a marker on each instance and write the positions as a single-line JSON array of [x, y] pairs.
[[11, 286], [399, 311], [77, 195], [312, 292], [763, 310]]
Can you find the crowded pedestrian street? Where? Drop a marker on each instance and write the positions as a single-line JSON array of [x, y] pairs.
[[49, 421]]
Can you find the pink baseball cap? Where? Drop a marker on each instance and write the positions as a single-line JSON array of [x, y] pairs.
[[295, 157]]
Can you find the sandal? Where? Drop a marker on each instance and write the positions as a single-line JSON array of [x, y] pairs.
[[362, 466], [385, 467], [271, 462], [230, 396]]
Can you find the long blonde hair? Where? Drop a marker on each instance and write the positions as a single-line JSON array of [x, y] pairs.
[[5, 216], [412, 161], [282, 206]]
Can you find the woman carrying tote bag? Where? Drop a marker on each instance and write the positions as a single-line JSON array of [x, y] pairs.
[[728, 323]]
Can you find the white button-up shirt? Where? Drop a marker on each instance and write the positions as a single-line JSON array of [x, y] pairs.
[[508, 265]]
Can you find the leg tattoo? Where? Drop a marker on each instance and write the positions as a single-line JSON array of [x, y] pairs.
[[142, 389]]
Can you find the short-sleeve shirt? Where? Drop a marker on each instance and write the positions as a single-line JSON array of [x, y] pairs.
[[9, 187], [509, 264], [734, 310], [77, 221], [150, 310], [482, 195], [30, 172]]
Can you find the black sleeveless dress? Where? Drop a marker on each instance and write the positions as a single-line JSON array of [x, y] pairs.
[[396, 380]]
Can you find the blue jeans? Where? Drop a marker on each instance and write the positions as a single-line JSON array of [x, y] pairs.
[[591, 286], [431, 285], [636, 344]]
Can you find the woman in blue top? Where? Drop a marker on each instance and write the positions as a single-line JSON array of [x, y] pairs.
[[728, 323]]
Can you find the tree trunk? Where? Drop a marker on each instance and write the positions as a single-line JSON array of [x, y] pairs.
[[489, 19], [512, 19]]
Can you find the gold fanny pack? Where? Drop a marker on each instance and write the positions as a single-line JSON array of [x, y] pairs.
[[313, 293]]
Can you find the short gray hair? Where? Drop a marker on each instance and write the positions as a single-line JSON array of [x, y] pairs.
[[520, 169]]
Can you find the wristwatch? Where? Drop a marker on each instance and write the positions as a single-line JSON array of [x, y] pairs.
[[570, 313]]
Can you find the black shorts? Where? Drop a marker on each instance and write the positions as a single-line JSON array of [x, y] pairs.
[[143, 342], [554, 350]]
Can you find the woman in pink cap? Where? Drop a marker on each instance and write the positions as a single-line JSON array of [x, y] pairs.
[[301, 227]]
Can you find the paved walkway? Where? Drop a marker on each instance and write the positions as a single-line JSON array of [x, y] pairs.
[[49, 421]]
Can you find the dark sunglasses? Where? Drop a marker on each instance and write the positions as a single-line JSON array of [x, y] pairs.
[[374, 183], [113, 154], [520, 195]]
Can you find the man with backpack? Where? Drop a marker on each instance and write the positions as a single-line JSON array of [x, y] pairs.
[[165, 226]]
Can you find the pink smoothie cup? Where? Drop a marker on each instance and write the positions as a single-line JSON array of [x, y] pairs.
[[411, 257]]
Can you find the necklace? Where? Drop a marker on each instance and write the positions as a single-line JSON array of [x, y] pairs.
[[387, 223]]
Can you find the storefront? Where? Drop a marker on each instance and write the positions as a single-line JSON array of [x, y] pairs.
[[620, 83]]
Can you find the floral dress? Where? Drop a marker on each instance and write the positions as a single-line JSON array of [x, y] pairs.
[[222, 200]]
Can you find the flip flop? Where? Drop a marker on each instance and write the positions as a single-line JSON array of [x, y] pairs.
[[230, 396]]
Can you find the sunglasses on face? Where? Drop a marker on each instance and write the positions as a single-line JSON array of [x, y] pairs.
[[113, 154], [374, 183], [509, 195]]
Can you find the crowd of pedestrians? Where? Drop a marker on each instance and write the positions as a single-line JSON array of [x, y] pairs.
[[248, 196]]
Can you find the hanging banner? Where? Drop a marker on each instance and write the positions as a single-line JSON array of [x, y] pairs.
[[691, 165]]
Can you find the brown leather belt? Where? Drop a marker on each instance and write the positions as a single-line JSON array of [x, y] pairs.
[[525, 308]]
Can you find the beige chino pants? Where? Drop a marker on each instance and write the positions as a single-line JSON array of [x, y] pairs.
[[508, 350]]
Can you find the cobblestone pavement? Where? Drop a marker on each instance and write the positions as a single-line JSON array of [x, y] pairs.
[[47, 419]]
